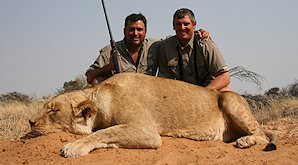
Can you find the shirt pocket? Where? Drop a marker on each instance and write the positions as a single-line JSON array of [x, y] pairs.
[[127, 67], [173, 66]]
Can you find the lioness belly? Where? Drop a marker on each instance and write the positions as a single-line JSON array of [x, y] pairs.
[[197, 124]]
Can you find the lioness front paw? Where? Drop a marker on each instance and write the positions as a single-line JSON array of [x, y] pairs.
[[75, 149]]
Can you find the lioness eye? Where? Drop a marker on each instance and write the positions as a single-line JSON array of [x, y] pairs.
[[53, 110]]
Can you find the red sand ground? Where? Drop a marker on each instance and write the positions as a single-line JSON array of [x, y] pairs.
[[45, 150]]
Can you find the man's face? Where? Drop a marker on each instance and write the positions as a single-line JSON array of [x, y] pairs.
[[135, 33], [184, 29]]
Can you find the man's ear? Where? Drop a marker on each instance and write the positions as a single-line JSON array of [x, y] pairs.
[[85, 109], [195, 25]]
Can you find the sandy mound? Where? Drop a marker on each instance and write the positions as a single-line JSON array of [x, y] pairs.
[[45, 150]]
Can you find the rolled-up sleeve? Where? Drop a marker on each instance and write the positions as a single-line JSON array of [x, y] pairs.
[[102, 59], [214, 58]]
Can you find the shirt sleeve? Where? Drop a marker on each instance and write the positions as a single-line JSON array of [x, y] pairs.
[[152, 58], [102, 59], [214, 58]]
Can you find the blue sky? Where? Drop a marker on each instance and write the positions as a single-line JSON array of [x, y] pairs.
[[45, 43]]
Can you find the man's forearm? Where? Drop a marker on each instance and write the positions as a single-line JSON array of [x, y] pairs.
[[220, 82], [92, 74]]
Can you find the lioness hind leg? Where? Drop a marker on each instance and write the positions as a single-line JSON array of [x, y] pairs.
[[250, 140], [238, 110]]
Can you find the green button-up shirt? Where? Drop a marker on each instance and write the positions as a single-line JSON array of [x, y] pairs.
[[198, 67], [126, 62]]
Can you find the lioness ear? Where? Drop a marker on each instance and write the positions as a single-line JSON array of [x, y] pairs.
[[85, 109]]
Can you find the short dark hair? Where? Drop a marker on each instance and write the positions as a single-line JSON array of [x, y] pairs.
[[135, 17], [181, 13]]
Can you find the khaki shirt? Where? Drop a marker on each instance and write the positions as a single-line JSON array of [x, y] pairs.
[[197, 68], [126, 61]]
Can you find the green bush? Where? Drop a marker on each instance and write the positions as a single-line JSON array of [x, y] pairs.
[[15, 97], [78, 83]]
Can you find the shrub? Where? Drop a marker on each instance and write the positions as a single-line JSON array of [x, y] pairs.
[[257, 102], [15, 97], [243, 74], [79, 83], [275, 103], [292, 89]]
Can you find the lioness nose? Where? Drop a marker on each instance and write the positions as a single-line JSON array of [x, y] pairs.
[[32, 123]]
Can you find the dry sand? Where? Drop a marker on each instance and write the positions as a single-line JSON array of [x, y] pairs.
[[174, 151]]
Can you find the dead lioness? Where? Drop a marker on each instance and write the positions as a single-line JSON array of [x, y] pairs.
[[132, 110]]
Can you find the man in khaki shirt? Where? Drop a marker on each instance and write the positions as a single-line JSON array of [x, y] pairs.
[[186, 57], [133, 50]]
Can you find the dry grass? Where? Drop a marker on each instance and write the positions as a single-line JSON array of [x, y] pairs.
[[14, 118], [275, 108]]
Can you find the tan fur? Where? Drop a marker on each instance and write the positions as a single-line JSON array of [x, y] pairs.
[[133, 110]]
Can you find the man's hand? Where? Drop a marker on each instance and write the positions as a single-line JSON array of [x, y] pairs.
[[203, 34], [111, 65], [115, 60]]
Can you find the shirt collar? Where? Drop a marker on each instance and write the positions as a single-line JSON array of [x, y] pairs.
[[142, 46]]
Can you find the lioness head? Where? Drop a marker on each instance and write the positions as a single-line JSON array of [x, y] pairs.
[[70, 112]]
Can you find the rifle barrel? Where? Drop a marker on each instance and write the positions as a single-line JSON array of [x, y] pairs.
[[114, 52], [107, 20]]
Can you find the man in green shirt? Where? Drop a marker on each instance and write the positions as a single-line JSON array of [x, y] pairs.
[[133, 50], [188, 58]]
